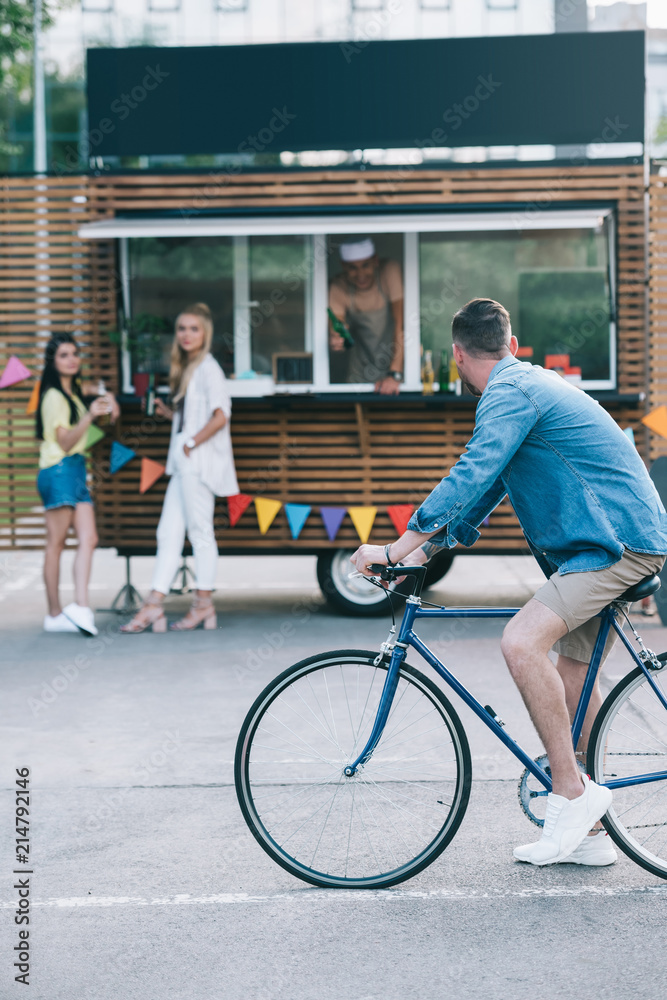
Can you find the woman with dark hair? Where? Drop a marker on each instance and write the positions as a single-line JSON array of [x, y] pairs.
[[61, 424]]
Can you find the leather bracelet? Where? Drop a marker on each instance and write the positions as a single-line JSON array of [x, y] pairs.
[[390, 564]]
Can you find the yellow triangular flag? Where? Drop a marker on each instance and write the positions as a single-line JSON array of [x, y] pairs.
[[362, 519], [266, 511], [656, 421], [33, 402]]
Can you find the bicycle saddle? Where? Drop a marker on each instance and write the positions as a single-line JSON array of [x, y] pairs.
[[644, 588]]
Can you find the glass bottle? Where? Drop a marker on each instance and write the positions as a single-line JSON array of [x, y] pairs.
[[150, 396], [341, 329], [454, 379], [443, 374], [427, 374]]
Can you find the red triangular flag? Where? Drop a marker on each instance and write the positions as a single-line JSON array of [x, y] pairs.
[[237, 504], [150, 473], [400, 514]]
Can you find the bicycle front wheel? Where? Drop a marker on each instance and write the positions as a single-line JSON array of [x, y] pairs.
[[389, 820], [629, 739]]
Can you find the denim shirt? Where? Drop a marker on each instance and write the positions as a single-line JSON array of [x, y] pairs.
[[577, 484]]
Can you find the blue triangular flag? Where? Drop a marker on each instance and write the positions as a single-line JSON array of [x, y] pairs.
[[120, 456], [628, 431], [297, 515]]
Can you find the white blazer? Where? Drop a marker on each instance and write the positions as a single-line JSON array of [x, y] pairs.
[[212, 461]]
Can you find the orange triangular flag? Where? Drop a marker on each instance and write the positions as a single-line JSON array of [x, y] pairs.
[[400, 514], [33, 402], [150, 473], [362, 519], [266, 511], [656, 421]]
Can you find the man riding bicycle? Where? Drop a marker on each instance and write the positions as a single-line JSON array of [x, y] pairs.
[[591, 517]]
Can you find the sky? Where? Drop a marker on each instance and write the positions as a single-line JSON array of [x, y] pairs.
[[656, 13]]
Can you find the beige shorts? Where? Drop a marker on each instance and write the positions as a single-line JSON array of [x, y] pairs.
[[578, 597]]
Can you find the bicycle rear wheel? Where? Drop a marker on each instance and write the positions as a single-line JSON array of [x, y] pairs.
[[383, 824], [629, 737]]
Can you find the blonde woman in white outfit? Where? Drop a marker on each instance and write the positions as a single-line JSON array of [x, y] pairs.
[[201, 466]]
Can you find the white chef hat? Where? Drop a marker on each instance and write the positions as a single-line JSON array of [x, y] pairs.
[[357, 250]]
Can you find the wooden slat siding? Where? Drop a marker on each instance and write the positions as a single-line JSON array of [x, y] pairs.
[[658, 303], [318, 455], [310, 453]]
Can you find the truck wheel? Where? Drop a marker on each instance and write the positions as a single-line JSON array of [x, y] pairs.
[[438, 567], [357, 596]]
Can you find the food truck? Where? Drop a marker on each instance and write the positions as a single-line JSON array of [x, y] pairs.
[[115, 255]]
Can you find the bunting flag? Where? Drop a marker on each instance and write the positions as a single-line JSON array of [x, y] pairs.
[[362, 519], [33, 402], [266, 511], [150, 473], [93, 436], [332, 517], [656, 421], [400, 514], [297, 515], [237, 505], [120, 456], [628, 431], [14, 372]]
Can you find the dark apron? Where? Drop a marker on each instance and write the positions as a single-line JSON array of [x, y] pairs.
[[373, 332]]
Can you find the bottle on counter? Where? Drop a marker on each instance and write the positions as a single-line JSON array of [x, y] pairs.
[[443, 374], [427, 374], [150, 396], [454, 379]]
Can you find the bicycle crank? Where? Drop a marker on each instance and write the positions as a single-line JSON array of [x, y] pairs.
[[533, 795]]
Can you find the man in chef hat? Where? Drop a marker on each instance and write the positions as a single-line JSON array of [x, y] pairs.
[[368, 298]]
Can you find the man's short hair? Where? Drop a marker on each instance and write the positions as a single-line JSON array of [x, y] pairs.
[[482, 328]]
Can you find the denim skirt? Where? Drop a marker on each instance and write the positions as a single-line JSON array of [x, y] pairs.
[[64, 484]]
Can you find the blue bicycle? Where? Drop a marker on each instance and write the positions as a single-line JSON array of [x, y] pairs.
[[353, 769]]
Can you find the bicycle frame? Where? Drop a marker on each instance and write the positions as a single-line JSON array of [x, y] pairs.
[[407, 637]]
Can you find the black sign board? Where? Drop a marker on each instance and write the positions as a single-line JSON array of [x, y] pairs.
[[557, 89]]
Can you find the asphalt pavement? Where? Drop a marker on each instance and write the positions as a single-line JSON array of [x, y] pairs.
[[145, 882]]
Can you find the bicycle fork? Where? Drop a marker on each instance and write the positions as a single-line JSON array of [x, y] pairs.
[[398, 652]]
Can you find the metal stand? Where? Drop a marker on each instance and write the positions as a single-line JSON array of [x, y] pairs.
[[187, 578], [128, 599]]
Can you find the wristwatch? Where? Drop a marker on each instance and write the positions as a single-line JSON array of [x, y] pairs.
[[191, 443], [397, 376]]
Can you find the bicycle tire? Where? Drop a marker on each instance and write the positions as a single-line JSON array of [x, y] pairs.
[[628, 736], [427, 790]]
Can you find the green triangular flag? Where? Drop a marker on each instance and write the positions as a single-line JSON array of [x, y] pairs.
[[94, 435]]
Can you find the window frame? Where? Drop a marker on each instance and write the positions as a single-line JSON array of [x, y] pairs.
[[316, 230]]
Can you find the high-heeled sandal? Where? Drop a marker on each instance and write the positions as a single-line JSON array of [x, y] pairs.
[[150, 613], [201, 612]]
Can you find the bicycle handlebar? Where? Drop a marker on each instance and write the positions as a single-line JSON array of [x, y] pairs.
[[388, 573]]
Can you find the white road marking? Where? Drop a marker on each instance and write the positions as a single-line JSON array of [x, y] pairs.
[[317, 895]]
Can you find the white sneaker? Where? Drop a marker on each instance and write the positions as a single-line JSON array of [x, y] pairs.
[[83, 618], [58, 623], [566, 823], [597, 850]]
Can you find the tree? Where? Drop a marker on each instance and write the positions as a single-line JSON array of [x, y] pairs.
[[16, 42]]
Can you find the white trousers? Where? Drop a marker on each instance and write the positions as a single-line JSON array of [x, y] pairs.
[[188, 508]]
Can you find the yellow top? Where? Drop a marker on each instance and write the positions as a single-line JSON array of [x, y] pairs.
[[55, 414]]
